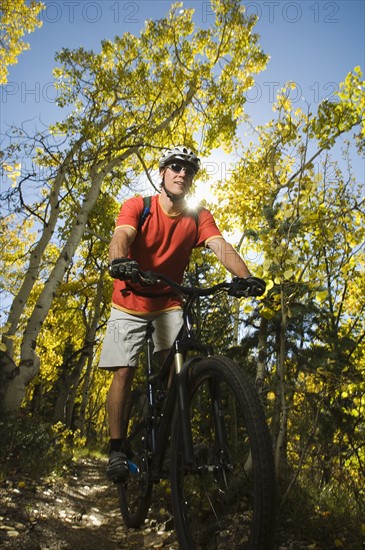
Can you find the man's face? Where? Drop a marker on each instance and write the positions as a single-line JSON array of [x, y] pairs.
[[178, 178]]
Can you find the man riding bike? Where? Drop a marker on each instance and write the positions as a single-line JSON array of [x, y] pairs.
[[163, 244]]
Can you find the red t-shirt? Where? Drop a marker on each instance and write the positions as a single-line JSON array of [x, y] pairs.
[[163, 244]]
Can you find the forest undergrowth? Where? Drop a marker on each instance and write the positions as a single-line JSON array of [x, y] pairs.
[[50, 485]]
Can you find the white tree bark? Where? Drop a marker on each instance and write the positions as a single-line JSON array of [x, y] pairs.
[[36, 254], [29, 359]]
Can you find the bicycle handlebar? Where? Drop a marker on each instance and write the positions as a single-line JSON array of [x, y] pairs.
[[126, 269], [238, 287]]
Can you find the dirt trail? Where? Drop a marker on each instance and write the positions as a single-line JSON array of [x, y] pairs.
[[80, 513]]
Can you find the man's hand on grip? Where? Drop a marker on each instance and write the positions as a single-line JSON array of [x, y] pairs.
[[248, 286], [124, 269]]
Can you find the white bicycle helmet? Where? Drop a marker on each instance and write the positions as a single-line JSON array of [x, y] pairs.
[[181, 153]]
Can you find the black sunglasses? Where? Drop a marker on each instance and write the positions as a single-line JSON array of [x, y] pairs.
[[177, 168]]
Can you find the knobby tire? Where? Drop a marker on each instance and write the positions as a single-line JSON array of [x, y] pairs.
[[227, 500]]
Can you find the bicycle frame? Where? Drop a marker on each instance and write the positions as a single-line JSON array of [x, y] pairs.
[[177, 396]]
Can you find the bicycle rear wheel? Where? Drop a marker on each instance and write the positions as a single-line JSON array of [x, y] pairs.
[[226, 500], [136, 491]]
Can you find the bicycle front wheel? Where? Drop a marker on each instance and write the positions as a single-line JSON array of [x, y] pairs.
[[226, 499]]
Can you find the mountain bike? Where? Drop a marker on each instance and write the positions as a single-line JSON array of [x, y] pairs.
[[200, 417]]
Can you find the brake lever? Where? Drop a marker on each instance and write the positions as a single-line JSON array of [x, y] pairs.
[[237, 290], [147, 278]]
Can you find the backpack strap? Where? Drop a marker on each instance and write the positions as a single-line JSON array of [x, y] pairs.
[[145, 212]]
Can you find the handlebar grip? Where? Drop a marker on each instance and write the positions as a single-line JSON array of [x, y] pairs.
[[246, 287]]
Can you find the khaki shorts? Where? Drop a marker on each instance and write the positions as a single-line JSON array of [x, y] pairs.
[[125, 336]]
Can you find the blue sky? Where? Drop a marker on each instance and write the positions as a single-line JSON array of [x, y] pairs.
[[313, 43]]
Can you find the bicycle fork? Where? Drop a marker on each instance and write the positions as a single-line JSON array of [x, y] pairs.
[[181, 374], [181, 371], [151, 396]]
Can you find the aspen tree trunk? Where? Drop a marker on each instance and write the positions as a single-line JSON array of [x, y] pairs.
[[71, 397], [262, 355], [236, 323], [81, 419], [281, 438], [35, 257], [87, 353], [29, 360]]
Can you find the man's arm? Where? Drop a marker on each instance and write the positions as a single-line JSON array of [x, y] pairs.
[[121, 242], [228, 256]]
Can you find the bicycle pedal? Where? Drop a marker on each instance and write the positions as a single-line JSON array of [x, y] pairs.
[[133, 468]]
